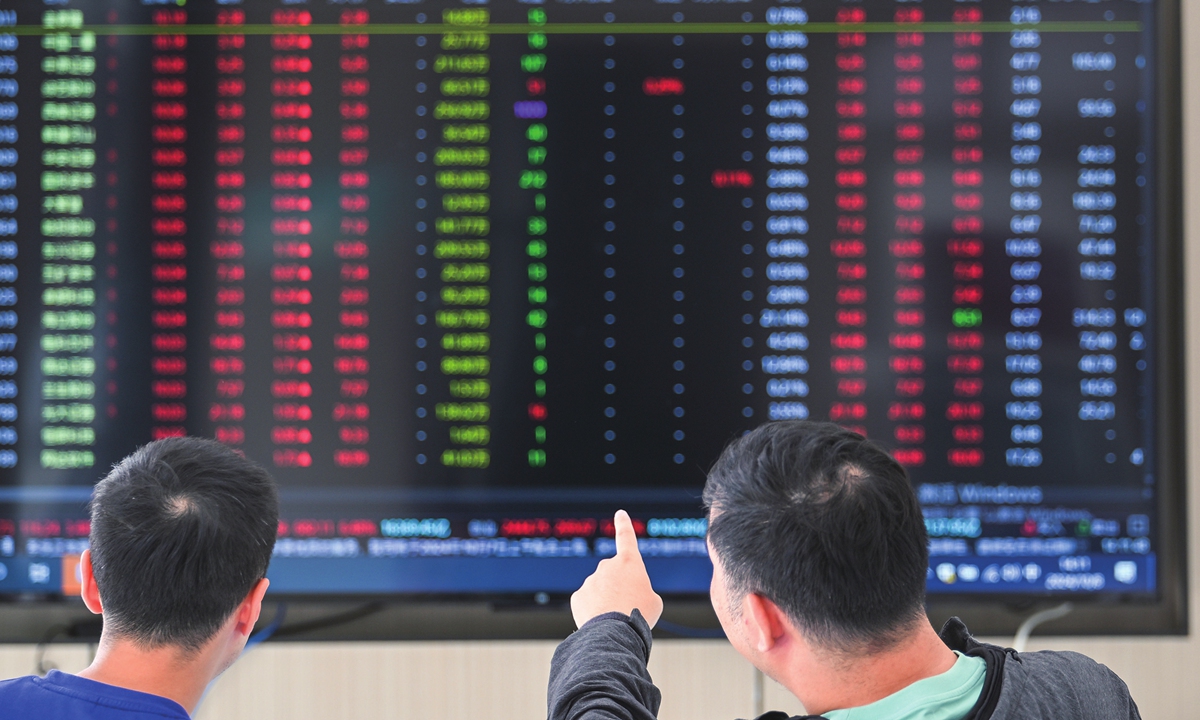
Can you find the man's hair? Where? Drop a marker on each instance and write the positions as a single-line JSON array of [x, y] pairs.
[[825, 524], [181, 531]]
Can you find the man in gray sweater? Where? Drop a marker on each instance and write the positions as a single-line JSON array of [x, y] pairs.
[[819, 560]]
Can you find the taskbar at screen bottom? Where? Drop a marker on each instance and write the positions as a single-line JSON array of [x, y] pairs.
[[415, 574]]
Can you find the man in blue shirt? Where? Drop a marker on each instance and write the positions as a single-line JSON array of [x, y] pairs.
[[181, 536]]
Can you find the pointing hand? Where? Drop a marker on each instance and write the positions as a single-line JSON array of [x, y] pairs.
[[620, 583]]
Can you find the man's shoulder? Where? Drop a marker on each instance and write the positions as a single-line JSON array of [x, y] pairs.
[[1057, 685], [18, 693], [27, 697], [60, 696], [1062, 684], [17, 685], [1063, 666]]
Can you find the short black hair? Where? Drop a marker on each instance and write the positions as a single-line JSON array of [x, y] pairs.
[[181, 531], [826, 525]]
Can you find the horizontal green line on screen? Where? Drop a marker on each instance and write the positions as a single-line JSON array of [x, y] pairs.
[[597, 28]]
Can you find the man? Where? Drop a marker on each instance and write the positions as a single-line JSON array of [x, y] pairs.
[[819, 560], [182, 532]]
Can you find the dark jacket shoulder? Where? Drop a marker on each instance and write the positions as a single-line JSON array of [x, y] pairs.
[[1053, 684], [1048, 684]]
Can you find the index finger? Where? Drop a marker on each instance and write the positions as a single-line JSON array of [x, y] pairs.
[[626, 538]]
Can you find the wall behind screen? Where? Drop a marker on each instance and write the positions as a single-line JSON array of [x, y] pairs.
[[699, 679]]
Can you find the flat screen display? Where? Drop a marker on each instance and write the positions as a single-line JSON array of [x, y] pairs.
[[469, 276]]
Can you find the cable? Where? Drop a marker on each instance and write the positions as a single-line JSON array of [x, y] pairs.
[[1026, 628], [275, 627], [331, 620], [252, 642], [40, 666], [690, 632], [265, 634], [756, 693]]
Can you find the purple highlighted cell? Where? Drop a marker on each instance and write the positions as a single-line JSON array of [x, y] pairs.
[[530, 109]]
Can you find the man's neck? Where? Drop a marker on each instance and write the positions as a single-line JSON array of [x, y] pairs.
[[823, 686], [165, 671]]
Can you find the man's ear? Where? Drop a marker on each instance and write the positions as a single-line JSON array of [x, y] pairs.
[[88, 590], [248, 612], [765, 622]]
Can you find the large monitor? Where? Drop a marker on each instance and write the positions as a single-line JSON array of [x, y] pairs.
[[469, 276]]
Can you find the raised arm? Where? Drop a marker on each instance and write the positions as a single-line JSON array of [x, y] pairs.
[[599, 672]]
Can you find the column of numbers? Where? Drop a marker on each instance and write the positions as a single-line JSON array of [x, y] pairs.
[[291, 91], [1024, 340], [463, 226], [849, 340], [787, 180], [352, 249], [534, 178], [965, 246], [9, 103], [906, 339], [68, 249], [228, 340], [168, 225]]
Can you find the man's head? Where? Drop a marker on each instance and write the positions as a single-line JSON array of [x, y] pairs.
[[182, 531], [825, 525]]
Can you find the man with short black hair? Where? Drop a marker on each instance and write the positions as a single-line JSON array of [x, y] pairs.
[[819, 556], [182, 532]]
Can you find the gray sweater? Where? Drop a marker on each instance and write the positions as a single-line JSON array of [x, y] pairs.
[[599, 673]]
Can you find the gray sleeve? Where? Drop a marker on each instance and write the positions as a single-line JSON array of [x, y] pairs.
[[599, 672]]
